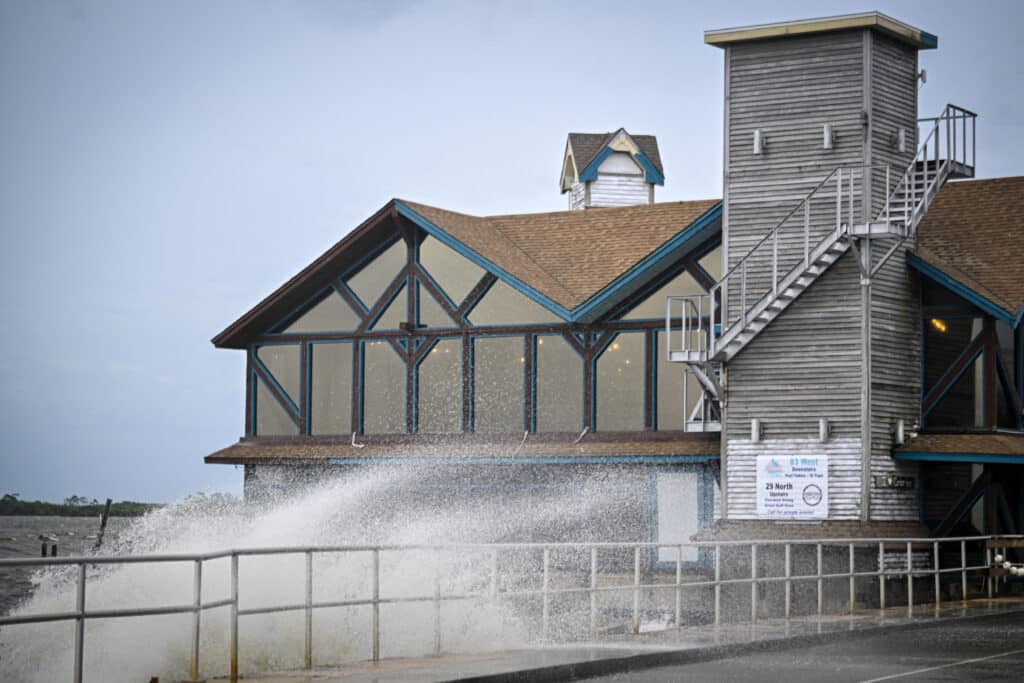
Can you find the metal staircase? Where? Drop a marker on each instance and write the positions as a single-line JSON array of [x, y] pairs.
[[707, 330]]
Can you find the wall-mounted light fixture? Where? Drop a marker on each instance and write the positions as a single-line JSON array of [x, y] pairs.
[[828, 136], [760, 141], [756, 431], [824, 429], [901, 140], [939, 325], [898, 432]]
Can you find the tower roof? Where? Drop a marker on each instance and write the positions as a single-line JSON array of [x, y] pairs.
[[875, 20]]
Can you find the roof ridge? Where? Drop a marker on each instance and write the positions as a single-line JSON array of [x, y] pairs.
[[529, 256]]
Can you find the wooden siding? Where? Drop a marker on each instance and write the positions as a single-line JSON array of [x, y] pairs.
[[895, 307], [843, 467], [578, 196], [789, 89], [806, 364], [618, 190]]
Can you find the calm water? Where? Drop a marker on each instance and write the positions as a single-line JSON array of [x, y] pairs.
[[19, 537]]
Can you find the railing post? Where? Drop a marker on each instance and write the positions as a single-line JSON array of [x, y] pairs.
[[494, 574], [888, 195], [197, 592], [593, 592], [963, 571], [234, 618], [679, 586], [849, 199], [820, 582], [376, 605], [775, 262], [753, 583], [309, 610], [938, 576], [807, 233], [881, 574], [910, 578], [547, 604], [718, 585], [988, 563], [743, 293], [852, 578], [636, 590], [789, 573], [80, 623], [437, 595], [839, 197]]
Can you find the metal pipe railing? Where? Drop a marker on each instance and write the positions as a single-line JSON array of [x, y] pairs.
[[760, 575]]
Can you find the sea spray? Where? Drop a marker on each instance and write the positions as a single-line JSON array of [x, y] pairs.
[[385, 505]]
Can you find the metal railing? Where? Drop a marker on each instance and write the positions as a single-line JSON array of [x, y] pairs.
[[834, 206], [726, 564]]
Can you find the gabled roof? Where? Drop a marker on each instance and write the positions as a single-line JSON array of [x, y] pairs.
[[569, 261], [973, 234], [587, 147]]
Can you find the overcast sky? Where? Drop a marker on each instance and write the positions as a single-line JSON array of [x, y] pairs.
[[164, 166]]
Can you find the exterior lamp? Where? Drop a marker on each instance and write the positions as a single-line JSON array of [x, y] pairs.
[[824, 429], [760, 141], [756, 431], [939, 325], [828, 136]]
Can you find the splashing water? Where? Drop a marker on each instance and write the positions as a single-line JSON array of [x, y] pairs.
[[386, 506]]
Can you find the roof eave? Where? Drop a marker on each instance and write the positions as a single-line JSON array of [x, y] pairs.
[[922, 40]]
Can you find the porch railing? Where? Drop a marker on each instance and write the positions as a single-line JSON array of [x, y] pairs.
[[724, 564]]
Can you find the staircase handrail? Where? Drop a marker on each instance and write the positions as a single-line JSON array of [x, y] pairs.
[[929, 150]]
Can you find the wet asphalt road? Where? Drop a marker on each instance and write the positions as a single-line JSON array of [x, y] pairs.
[[941, 653]]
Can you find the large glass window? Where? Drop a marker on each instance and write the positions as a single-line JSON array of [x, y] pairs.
[[370, 282], [456, 275], [383, 389], [711, 262], [502, 305], [282, 361], [559, 386], [395, 314], [498, 365], [677, 394], [963, 405], [439, 385], [431, 313], [653, 307], [331, 399], [271, 418], [332, 314], [620, 384], [944, 340]]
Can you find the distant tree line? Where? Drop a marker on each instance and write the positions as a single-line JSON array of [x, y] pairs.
[[73, 506]]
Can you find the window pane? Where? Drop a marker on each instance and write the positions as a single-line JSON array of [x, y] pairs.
[[711, 262], [370, 282], [559, 386], [963, 405], [944, 340], [394, 314], [330, 315], [282, 360], [431, 313], [620, 384], [332, 389], [271, 418], [502, 305], [672, 411], [653, 307], [498, 384], [383, 389], [439, 385], [456, 275]]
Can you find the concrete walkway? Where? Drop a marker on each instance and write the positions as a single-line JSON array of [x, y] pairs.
[[675, 646]]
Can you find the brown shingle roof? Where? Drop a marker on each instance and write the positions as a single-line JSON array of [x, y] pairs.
[[569, 256], [974, 232], [586, 146], [980, 443], [461, 447]]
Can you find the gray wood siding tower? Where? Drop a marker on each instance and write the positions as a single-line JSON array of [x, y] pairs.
[[819, 314]]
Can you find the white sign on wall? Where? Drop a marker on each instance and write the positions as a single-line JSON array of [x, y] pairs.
[[792, 487]]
